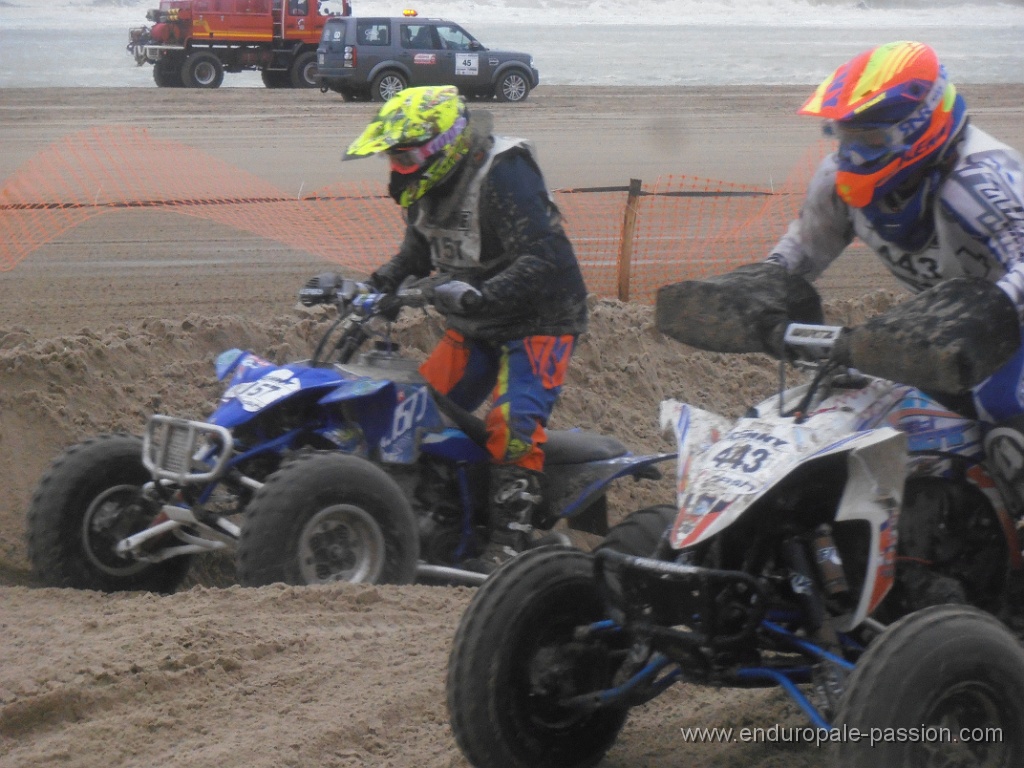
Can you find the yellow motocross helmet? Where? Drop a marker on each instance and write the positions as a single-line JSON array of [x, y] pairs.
[[424, 132]]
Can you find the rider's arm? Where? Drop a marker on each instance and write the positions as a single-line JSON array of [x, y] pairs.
[[822, 231], [413, 258], [985, 197], [518, 213]]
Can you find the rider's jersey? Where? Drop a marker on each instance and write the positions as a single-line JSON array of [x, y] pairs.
[[978, 231], [453, 231], [495, 226]]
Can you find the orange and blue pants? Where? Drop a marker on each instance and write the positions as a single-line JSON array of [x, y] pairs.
[[523, 377]]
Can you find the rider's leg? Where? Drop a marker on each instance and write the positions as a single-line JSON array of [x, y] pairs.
[[531, 372], [462, 369]]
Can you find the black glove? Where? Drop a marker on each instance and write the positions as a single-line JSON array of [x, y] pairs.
[[389, 306], [384, 279], [320, 289]]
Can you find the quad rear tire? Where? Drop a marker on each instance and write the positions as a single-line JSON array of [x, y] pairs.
[[325, 518], [945, 667], [514, 658], [640, 533], [89, 499]]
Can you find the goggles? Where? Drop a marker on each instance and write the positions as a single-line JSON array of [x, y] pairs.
[[866, 147], [406, 160], [872, 146]]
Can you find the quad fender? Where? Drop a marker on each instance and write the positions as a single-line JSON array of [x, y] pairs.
[[574, 491], [876, 473], [719, 479], [377, 400], [254, 390]]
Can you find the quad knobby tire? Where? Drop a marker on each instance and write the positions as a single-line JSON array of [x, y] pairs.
[[87, 501], [947, 666], [640, 533], [325, 518], [513, 658]]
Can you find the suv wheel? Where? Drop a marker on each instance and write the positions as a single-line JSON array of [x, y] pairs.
[[512, 86], [387, 84]]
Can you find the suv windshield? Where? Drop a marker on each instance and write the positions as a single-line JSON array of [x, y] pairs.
[[455, 38]]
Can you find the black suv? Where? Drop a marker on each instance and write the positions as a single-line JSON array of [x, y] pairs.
[[375, 58]]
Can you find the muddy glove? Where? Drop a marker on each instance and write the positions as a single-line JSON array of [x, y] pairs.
[[320, 289], [946, 339], [386, 278], [389, 306], [457, 297], [745, 310]]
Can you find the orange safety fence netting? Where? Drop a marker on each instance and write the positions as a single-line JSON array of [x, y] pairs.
[[682, 227]]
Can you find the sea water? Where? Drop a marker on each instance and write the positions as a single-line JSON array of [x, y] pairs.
[[82, 43]]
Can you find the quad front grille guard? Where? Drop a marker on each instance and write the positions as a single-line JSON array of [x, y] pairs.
[[181, 451]]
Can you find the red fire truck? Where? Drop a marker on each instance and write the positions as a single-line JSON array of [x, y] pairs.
[[192, 43]]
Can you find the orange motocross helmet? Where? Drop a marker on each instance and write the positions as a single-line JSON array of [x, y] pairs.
[[894, 113]]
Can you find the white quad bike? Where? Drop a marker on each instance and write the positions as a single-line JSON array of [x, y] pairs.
[[846, 539]]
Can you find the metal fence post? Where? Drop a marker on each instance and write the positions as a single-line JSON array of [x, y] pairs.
[[626, 241]]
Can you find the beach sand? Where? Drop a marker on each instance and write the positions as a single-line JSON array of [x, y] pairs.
[[95, 335]]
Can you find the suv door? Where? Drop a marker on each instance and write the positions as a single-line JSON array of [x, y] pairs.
[[464, 61], [421, 53]]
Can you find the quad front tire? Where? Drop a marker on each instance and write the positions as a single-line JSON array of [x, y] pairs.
[[328, 517], [515, 661], [87, 501], [940, 687]]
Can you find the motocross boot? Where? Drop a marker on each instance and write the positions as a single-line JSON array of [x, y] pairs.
[[515, 494]]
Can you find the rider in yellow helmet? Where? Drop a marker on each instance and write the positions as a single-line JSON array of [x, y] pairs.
[[477, 208]]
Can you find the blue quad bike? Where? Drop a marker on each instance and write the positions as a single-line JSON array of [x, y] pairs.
[[343, 467]]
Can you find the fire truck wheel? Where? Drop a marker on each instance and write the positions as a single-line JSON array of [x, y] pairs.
[[202, 70], [303, 71], [167, 72], [273, 78]]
